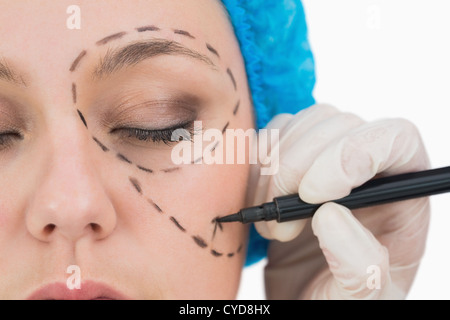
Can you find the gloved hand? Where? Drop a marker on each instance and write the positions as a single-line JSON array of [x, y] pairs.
[[371, 253]]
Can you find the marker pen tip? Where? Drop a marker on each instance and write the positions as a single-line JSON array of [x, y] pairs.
[[230, 218]]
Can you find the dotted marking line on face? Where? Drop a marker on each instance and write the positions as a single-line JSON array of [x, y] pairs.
[[233, 80], [177, 224], [170, 169], [183, 33], [74, 93], [236, 108], [155, 205], [212, 50], [76, 62], [136, 184], [214, 147], [82, 118], [147, 28], [110, 38], [225, 127], [144, 169], [217, 225], [101, 145], [196, 238], [123, 158]]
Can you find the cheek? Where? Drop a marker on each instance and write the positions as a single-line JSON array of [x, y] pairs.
[[188, 254]]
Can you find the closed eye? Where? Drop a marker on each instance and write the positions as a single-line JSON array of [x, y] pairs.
[[165, 135], [8, 138]]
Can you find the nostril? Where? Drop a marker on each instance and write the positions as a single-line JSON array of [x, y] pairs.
[[49, 228], [95, 227]]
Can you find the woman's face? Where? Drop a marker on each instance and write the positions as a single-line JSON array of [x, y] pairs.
[[87, 172]]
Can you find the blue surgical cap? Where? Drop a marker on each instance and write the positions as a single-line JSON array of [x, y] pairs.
[[280, 67]]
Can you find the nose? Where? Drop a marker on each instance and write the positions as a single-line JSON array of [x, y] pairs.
[[70, 199]]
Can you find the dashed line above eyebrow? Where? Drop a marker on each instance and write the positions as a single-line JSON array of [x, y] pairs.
[[107, 39], [123, 158], [147, 28], [77, 61], [183, 33]]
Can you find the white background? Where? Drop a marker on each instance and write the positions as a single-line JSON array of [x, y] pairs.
[[387, 59]]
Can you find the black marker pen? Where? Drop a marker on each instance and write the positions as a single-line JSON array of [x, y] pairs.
[[374, 192]]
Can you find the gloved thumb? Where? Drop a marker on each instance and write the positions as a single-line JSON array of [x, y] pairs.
[[359, 264]]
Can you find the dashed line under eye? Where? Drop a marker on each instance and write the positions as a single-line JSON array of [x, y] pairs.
[[179, 226], [136, 184], [144, 169], [170, 169], [158, 208], [101, 145], [123, 158]]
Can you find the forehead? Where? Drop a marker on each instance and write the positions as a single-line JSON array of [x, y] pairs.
[[42, 35]]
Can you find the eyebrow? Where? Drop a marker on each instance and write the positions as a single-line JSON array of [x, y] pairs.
[[136, 52], [9, 75]]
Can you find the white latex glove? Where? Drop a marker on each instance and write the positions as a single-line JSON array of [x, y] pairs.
[[371, 253]]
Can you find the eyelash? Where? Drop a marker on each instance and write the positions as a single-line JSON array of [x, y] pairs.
[[156, 136], [7, 139]]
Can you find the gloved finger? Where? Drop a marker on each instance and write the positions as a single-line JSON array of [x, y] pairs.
[[294, 162], [302, 122], [359, 264], [290, 128], [279, 121], [285, 231], [389, 146]]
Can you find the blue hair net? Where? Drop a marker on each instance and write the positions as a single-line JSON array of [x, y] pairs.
[[279, 65]]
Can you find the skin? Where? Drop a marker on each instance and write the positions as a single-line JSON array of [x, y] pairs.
[[65, 202]]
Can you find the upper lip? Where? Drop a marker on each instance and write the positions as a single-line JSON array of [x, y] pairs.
[[89, 290]]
